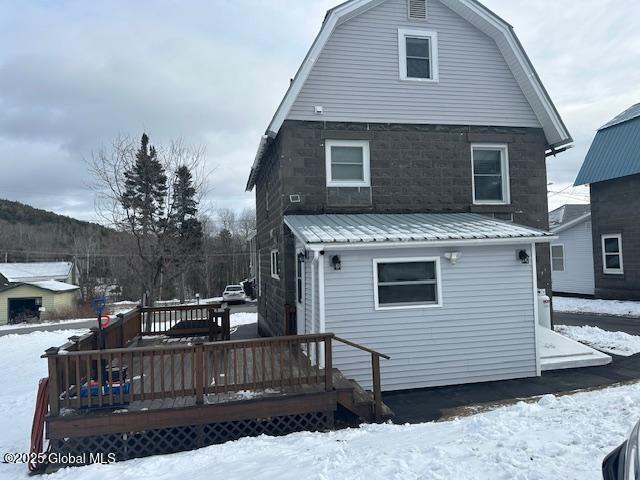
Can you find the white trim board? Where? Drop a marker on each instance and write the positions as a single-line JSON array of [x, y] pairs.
[[479, 16]]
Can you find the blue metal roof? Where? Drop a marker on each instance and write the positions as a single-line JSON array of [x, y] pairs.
[[615, 152]]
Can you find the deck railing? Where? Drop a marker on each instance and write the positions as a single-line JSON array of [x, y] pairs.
[[114, 378], [187, 319]]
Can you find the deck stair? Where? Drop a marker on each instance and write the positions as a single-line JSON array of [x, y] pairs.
[[357, 400]]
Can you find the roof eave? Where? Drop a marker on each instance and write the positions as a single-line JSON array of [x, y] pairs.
[[572, 223]]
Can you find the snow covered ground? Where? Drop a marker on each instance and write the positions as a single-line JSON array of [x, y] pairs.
[[45, 324], [547, 438], [616, 343], [601, 307]]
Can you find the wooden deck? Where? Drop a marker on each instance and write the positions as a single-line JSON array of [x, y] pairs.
[[148, 382]]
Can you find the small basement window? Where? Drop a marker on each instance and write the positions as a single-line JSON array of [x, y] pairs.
[[418, 53], [490, 165], [275, 264], [612, 254], [557, 258], [407, 283], [347, 163]]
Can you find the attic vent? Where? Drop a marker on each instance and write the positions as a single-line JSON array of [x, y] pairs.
[[417, 9]]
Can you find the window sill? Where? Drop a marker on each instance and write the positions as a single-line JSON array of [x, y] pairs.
[[348, 185], [420, 80], [408, 307], [275, 277], [616, 272]]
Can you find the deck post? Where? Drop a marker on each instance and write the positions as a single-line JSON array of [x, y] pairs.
[[226, 324], [198, 352], [377, 391], [328, 364], [54, 388]]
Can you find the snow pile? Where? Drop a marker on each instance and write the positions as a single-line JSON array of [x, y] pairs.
[[600, 307], [243, 318], [21, 370], [616, 343], [554, 437]]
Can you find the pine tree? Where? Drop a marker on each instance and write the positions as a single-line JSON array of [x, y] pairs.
[[145, 188]]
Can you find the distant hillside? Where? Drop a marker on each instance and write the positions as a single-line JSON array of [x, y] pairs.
[[30, 234], [16, 212]]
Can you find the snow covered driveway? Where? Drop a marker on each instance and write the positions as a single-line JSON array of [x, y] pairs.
[[551, 438], [599, 307]]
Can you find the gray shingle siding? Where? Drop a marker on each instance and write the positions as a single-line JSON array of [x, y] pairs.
[[614, 209], [356, 77]]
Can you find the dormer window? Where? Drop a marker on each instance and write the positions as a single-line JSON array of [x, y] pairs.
[[417, 9], [418, 52]]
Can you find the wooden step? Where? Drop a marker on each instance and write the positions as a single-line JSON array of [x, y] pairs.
[[356, 399]]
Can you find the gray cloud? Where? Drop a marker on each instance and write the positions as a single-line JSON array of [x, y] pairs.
[[79, 73]]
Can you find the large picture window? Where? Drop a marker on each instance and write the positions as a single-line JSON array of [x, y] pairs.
[[407, 283], [418, 54], [490, 165], [347, 163], [612, 254]]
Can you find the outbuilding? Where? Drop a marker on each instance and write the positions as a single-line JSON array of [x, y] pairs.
[[452, 298], [28, 302]]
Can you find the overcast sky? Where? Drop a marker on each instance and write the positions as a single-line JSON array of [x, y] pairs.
[[76, 73]]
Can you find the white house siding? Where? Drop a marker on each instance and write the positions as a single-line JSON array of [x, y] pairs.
[[484, 331], [578, 276], [356, 77]]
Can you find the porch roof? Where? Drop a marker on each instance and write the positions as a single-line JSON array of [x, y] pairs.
[[394, 228]]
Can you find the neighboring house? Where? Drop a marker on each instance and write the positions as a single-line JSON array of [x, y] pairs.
[[401, 194], [38, 271], [572, 252], [22, 302], [29, 289], [612, 169]]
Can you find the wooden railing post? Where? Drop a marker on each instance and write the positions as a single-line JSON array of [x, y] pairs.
[[54, 378], [377, 390], [226, 324], [328, 364], [199, 371]]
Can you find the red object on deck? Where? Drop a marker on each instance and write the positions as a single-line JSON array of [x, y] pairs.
[[105, 320], [37, 429]]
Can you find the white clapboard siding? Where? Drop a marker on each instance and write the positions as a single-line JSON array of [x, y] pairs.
[[578, 276], [485, 330], [356, 77]]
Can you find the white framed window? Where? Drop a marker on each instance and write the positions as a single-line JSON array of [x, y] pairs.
[[404, 283], [490, 170], [418, 53], [612, 254], [275, 264], [557, 258], [347, 163]]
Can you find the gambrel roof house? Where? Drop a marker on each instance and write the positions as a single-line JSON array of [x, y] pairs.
[[612, 171], [401, 194]]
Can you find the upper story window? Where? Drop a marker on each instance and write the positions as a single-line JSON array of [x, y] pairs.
[[347, 163], [557, 258], [490, 165], [612, 254], [418, 52]]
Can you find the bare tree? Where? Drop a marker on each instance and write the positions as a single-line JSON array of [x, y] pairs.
[[140, 190]]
